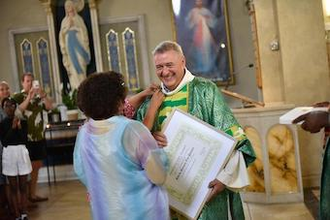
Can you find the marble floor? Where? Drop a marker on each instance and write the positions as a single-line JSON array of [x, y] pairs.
[[67, 200]]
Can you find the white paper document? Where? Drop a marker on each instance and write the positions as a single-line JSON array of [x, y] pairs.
[[288, 117], [196, 152]]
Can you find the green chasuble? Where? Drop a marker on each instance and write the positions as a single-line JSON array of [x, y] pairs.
[[206, 103], [325, 184]]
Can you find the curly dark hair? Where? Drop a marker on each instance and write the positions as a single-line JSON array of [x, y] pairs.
[[100, 95]]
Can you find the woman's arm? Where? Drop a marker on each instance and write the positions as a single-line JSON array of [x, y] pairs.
[[143, 149], [155, 103], [133, 102]]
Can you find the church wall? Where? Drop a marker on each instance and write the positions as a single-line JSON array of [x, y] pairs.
[[157, 19], [270, 61], [16, 14], [300, 64], [304, 55]]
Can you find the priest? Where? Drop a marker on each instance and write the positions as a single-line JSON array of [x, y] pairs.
[[202, 99]]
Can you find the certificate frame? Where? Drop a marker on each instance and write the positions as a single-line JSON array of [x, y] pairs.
[[197, 152]]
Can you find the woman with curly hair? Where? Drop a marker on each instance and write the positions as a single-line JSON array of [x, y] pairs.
[[116, 158]]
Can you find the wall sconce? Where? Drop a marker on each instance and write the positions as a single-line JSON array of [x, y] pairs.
[[274, 45]]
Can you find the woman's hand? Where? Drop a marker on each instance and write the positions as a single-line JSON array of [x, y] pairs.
[[153, 87], [157, 99], [160, 138]]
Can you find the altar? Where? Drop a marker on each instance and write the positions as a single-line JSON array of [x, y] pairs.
[[276, 175], [60, 140]]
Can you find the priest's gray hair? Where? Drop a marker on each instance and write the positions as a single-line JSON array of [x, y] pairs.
[[167, 46]]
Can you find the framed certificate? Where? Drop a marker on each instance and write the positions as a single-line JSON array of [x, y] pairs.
[[197, 152]]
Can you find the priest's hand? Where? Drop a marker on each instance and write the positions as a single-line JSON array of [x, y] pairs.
[[160, 138], [216, 188]]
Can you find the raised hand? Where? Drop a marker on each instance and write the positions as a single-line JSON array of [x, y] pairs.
[[313, 121]]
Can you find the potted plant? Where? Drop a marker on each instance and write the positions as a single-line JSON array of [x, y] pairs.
[[54, 115], [70, 101]]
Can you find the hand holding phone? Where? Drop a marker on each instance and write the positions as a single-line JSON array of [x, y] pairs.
[[35, 84]]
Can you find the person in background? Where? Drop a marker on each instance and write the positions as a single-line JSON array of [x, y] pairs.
[[313, 122], [5, 198], [4, 93], [201, 98], [32, 101], [16, 162], [116, 158]]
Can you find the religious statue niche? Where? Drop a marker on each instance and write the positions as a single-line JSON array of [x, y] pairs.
[[73, 33]]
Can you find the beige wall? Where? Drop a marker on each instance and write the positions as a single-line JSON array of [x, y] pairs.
[[304, 55], [270, 61], [298, 73], [16, 14], [157, 19], [300, 64]]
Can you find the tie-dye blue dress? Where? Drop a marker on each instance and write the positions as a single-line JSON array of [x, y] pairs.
[[122, 168]]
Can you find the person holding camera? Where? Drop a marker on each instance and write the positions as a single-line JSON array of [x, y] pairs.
[[32, 101]]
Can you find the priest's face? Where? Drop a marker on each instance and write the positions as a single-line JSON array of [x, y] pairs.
[[170, 68]]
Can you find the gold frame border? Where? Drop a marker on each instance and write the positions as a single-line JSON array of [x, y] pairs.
[[230, 58]]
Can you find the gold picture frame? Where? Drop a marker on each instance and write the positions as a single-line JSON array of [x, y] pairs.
[[201, 27]]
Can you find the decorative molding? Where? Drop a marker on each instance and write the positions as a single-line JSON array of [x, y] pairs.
[[13, 55], [132, 69], [113, 51], [47, 4], [26, 55], [96, 35], [45, 66], [140, 19]]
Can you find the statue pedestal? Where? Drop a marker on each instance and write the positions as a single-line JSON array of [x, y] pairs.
[[275, 176]]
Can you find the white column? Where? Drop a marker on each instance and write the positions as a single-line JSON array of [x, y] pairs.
[[96, 35], [53, 52]]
